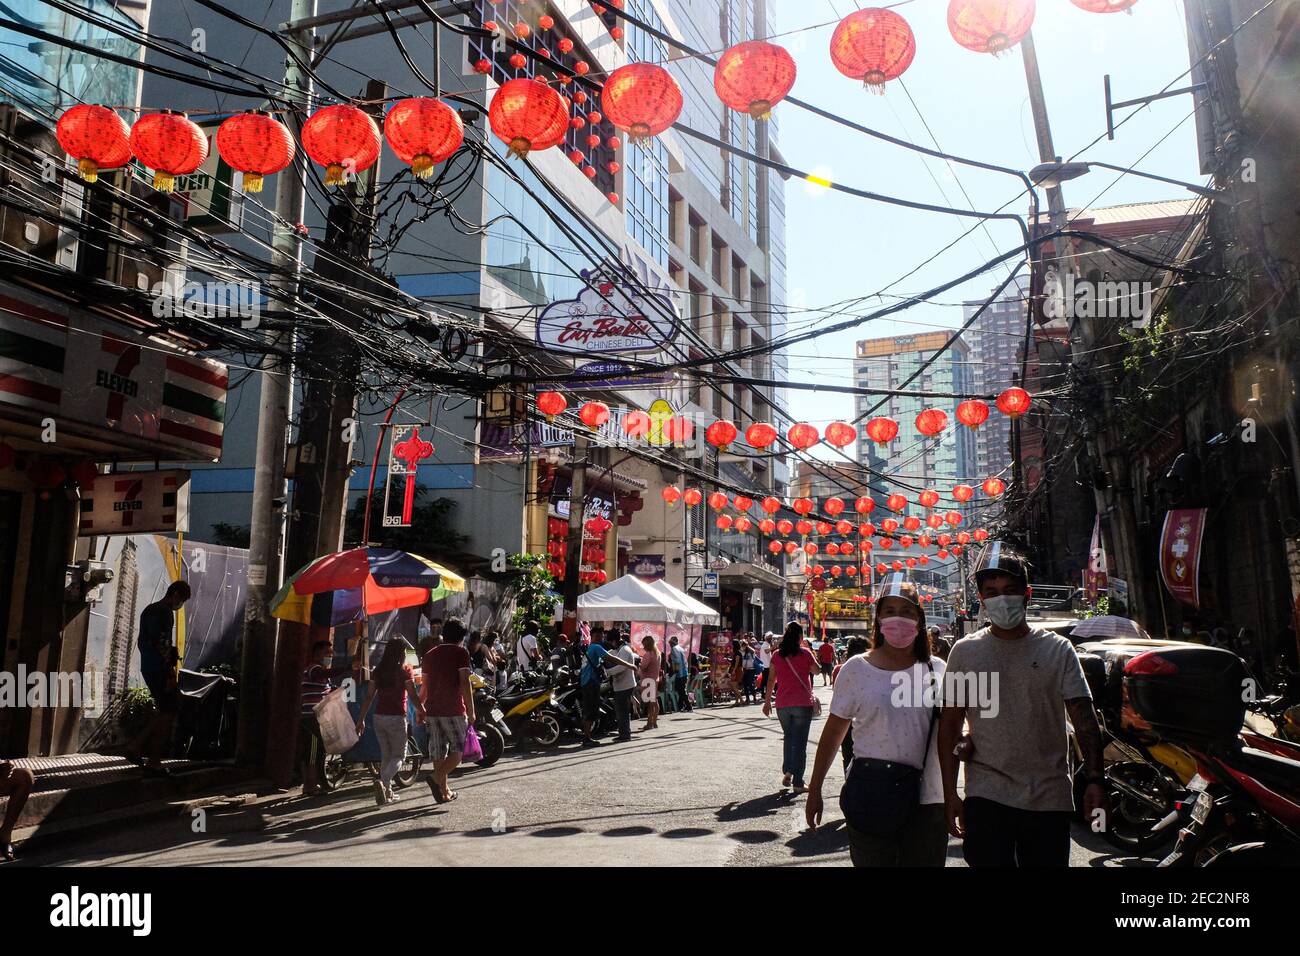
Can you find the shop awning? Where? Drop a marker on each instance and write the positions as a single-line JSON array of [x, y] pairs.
[[702, 612], [630, 599]]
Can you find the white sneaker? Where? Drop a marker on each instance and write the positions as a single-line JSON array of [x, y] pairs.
[[392, 795]]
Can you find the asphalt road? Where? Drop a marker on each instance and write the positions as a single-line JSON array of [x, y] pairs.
[[703, 789]]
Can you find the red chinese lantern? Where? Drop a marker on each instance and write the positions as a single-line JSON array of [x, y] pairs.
[[565, 45], [834, 507], [518, 60], [771, 504], [760, 435], [836, 571], [256, 145], [852, 571], [864, 505], [96, 137], [527, 114], [810, 548], [774, 547], [844, 527], [989, 26], [600, 576], [972, 413], [896, 502], [720, 434], [717, 501], [1014, 402], [804, 527], [882, 430], [743, 503], [864, 546], [866, 529], [642, 99], [671, 494], [889, 526], [980, 535], [724, 522], [678, 429], [802, 506], [885, 543], [594, 414], [1103, 6], [551, 404], [963, 537], [954, 518], [994, 487], [754, 76], [803, 436], [881, 568], [341, 138], [522, 29], [767, 526], [823, 527], [545, 22], [873, 46], [941, 553], [934, 521], [423, 132], [910, 562], [897, 565], [832, 549], [928, 498], [692, 497], [963, 492], [169, 144], [923, 560], [944, 540], [956, 549], [482, 66], [840, 434], [912, 523], [924, 541], [784, 527], [637, 424], [931, 421]]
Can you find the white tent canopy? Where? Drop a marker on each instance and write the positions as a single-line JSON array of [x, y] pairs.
[[628, 599], [701, 613]]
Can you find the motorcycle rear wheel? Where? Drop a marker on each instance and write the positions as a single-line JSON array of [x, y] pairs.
[[546, 730], [336, 771], [493, 744], [1131, 819]]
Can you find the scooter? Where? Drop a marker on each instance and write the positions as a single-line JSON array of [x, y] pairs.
[[566, 706], [489, 723], [524, 705]]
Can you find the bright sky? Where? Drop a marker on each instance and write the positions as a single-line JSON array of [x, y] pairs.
[[976, 105]]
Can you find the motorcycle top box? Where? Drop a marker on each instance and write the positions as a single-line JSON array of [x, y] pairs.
[[1191, 692]]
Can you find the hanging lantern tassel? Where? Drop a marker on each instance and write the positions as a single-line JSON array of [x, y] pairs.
[[422, 166]]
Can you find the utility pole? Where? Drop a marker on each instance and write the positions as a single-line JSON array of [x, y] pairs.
[[573, 557], [266, 531], [326, 433]]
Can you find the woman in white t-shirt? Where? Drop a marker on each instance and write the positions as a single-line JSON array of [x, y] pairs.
[[893, 791]]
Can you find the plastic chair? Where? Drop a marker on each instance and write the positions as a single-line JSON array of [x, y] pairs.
[[698, 686]]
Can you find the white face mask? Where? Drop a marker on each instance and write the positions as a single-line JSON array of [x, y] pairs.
[[1006, 611]]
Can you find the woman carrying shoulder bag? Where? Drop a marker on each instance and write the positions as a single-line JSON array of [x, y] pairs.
[[892, 798], [792, 668]]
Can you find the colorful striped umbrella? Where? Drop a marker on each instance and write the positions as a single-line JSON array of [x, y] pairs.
[[344, 587]]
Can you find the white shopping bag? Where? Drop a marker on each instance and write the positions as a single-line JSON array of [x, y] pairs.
[[338, 729]]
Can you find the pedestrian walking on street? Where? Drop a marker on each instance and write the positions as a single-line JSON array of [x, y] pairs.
[[793, 666], [765, 658], [888, 698], [448, 705], [390, 684], [736, 674], [749, 677], [681, 672], [317, 681], [651, 677], [625, 684], [158, 663], [590, 680], [1014, 684], [826, 659], [16, 785]]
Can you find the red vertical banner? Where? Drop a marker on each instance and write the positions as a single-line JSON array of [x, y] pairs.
[[1094, 578], [1180, 553]]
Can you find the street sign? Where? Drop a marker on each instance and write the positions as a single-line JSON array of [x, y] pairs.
[[131, 502], [710, 588]]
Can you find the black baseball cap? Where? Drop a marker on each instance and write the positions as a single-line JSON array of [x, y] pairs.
[[998, 557]]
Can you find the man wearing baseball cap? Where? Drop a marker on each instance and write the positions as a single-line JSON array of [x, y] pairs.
[[1014, 685]]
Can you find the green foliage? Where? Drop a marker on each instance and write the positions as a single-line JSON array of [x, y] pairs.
[[1100, 609], [532, 601], [137, 710], [430, 532], [231, 535]]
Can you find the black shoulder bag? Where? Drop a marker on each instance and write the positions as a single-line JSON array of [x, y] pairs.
[[880, 796]]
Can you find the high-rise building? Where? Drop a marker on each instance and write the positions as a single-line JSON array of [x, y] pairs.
[[996, 342], [888, 364]]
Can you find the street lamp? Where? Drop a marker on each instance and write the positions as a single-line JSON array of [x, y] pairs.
[[1051, 175]]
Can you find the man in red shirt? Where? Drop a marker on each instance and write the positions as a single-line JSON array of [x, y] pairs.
[[448, 704], [826, 658]]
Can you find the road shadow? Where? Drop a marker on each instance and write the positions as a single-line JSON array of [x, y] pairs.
[[765, 806], [832, 837]]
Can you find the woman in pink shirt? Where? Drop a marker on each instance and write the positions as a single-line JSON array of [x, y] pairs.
[[792, 668], [648, 675]]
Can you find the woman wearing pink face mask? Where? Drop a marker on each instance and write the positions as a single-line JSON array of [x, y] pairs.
[[893, 792]]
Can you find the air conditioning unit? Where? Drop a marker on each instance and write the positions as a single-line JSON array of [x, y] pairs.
[[31, 174]]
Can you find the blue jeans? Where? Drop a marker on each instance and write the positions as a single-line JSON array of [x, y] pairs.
[[795, 722]]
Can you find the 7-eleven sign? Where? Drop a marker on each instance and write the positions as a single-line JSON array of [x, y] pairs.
[[136, 501]]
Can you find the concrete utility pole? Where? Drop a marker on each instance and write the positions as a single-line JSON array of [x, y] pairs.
[[325, 434], [266, 526], [573, 559]]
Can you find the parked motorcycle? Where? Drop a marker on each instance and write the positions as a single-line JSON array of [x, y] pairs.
[[566, 706], [489, 722], [1243, 805], [526, 712]]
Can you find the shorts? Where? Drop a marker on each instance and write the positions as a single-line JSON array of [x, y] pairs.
[[446, 736], [166, 699], [826, 669], [590, 700]]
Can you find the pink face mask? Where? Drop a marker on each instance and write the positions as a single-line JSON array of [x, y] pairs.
[[900, 632]]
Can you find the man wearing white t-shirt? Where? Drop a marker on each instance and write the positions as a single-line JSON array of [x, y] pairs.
[[765, 656], [526, 652]]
